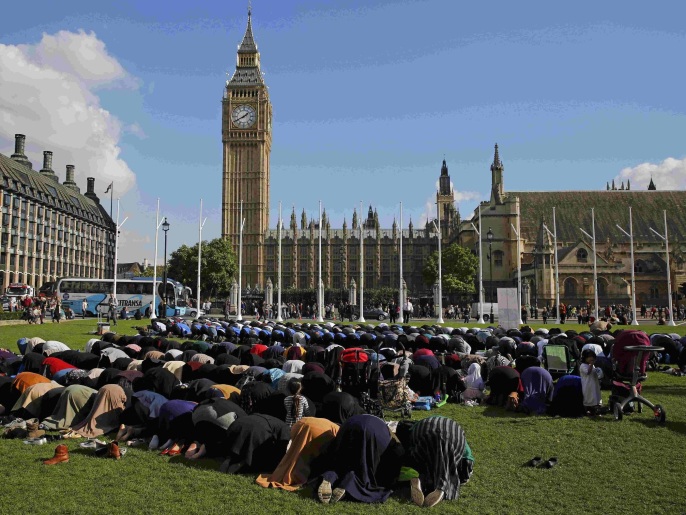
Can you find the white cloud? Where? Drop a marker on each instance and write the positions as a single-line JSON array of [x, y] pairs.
[[670, 174], [49, 94], [136, 130]]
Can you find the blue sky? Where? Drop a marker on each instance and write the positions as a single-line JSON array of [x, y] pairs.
[[368, 98]]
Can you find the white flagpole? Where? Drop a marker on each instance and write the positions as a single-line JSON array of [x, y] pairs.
[[320, 293], [154, 272], [630, 234], [519, 271], [239, 316], [361, 319], [279, 318], [401, 293], [201, 224], [481, 273]]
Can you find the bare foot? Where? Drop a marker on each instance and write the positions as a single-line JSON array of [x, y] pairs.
[[200, 452], [192, 449], [120, 433]]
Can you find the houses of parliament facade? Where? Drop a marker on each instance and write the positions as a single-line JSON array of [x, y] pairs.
[[247, 138]]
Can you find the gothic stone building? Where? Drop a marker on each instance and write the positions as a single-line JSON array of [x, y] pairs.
[[246, 138], [50, 230], [532, 211]]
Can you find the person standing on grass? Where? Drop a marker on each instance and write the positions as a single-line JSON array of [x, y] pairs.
[[84, 308], [56, 312], [295, 403], [590, 382], [112, 310]]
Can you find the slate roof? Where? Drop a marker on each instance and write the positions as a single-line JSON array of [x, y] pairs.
[[246, 77], [28, 183], [573, 210]]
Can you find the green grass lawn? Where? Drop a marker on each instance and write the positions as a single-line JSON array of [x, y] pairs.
[[604, 466]]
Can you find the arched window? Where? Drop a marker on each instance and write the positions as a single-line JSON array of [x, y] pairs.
[[602, 287], [498, 257], [582, 256], [570, 287]]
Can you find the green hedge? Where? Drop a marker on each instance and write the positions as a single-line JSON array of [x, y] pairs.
[[15, 315]]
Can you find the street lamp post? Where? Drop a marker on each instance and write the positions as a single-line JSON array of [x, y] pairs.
[[630, 234], [158, 223], [165, 228], [440, 278], [665, 238], [595, 261], [489, 237], [481, 272]]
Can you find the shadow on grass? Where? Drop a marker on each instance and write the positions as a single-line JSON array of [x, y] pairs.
[[202, 463], [677, 427]]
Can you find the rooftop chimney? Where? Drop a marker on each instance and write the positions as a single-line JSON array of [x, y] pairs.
[[19, 156], [90, 190], [47, 166], [70, 183]]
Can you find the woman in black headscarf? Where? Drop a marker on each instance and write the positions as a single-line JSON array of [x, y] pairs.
[[363, 462], [211, 420], [340, 406], [254, 443]]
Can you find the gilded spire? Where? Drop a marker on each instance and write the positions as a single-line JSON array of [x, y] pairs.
[[248, 45]]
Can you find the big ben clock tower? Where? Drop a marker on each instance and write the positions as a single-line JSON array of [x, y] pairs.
[[247, 141]]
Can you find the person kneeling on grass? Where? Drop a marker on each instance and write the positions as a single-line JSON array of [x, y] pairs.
[[436, 448]]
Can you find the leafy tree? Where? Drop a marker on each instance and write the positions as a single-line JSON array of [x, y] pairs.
[[149, 272], [219, 266], [459, 267]]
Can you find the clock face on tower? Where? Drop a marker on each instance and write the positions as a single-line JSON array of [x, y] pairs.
[[243, 116]]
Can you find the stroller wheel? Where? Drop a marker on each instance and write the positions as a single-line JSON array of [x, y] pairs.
[[617, 412], [660, 415]]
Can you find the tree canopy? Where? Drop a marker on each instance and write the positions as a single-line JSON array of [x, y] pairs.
[[458, 265], [219, 266]]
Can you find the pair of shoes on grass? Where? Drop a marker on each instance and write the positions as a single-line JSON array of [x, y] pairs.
[[428, 501], [329, 495], [537, 461]]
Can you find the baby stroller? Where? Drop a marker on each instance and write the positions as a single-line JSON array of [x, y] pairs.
[[354, 377], [630, 354], [393, 392]]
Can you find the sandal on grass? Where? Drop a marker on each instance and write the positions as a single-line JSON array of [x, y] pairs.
[[534, 462], [550, 463]]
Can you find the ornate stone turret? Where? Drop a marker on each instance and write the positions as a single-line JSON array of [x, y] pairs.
[[303, 220], [497, 187], [294, 224]]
